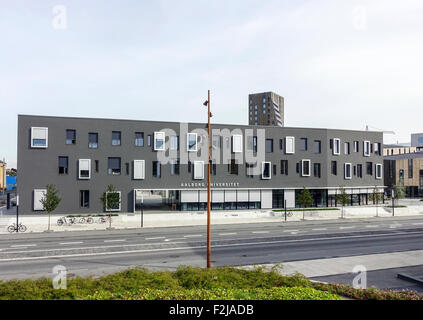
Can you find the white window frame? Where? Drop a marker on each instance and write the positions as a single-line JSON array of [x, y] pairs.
[[291, 148], [32, 137], [198, 165], [196, 142], [302, 167], [39, 206], [381, 172], [336, 153], [366, 143], [141, 174], [79, 169], [237, 143], [157, 135], [120, 201], [262, 170], [345, 171]]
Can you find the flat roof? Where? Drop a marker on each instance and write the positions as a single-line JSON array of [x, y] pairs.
[[402, 156]]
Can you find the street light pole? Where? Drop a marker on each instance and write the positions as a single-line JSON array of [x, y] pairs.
[[208, 182]]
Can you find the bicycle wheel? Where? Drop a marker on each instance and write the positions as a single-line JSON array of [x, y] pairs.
[[22, 228], [102, 220], [90, 220], [81, 220], [11, 228], [60, 222]]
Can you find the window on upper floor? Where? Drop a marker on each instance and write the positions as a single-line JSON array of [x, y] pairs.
[[317, 170], [284, 167], [159, 141], [336, 146], [174, 142], [39, 137], [237, 143], [289, 145], [63, 165], [265, 170], [84, 168], [317, 146], [303, 144], [378, 170], [305, 168], [347, 148], [347, 171], [192, 141], [198, 170], [356, 146], [139, 139], [269, 145], [233, 167], [93, 140], [369, 168], [113, 166], [70, 136], [410, 168], [360, 171], [334, 168], [139, 170], [157, 172], [116, 138], [252, 143], [174, 167], [366, 148], [84, 198]]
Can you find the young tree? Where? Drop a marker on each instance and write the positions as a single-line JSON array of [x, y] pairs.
[[305, 199], [399, 192], [50, 201], [376, 197], [343, 198], [110, 200]]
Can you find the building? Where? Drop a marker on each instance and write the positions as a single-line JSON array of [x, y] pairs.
[[161, 165], [405, 170], [394, 149], [2, 175], [266, 109], [417, 141]]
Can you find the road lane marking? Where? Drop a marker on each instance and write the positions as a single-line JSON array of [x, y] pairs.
[[154, 238], [342, 228], [115, 240], [417, 223], [227, 234], [291, 230], [373, 226], [203, 246], [75, 242], [23, 245], [193, 236], [319, 229], [260, 232]]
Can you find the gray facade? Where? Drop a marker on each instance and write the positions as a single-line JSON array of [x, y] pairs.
[[266, 108], [39, 166]]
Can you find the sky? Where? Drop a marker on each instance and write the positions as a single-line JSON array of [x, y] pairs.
[[339, 64]]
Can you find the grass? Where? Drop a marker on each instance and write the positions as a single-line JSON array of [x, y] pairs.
[[306, 209], [92, 215], [396, 206], [192, 283]]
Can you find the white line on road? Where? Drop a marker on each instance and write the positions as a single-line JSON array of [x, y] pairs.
[[260, 232], [115, 240], [352, 227], [227, 234], [193, 236], [417, 223], [372, 226], [203, 246], [319, 229], [291, 230], [75, 242], [23, 245], [154, 238]]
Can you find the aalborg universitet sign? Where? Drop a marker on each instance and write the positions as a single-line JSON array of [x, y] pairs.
[[212, 185]]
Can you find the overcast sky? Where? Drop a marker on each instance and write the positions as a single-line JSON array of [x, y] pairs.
[[339, 64]]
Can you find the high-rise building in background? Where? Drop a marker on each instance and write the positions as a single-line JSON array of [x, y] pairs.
[[266, 109]]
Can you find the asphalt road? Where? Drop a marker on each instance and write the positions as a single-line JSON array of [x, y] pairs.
[[98, 252]]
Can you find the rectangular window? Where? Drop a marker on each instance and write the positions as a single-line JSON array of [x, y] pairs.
[[157, 169], [346, 147], [356, 146], [289, 145], [174, 167], [252, 143], [281, 144], [139, 139], [265, 170], [216, 142], [269, 145], [377, 148], [113, 166], [237, 143], [334, 168], [84, 168], [305, 168], [84, 198], [317, 146], [198, 170], [347, 171], [284, 167], [249, 170], [139, 169], [410, 168], [336, 146], [233, 167], [366, 148], [360, 171], [159, 141], [39, 137], [369, 168], [96, 165], [70, 136], [63, 165], [93, 140], [38, 195], [116, 138], [317, 170], [149, 140], [192, 142], [213, 168], [174, 142], [127, 168], [275, 168], [378, 171], [303, 144]]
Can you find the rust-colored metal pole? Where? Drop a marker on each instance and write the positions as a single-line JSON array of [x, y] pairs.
[[208, 185]]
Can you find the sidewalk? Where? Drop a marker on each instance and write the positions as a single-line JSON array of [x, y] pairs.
[[38, 223]]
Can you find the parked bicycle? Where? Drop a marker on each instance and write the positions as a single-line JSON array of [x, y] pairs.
[[104, 219], [88, 220], [67, 221], [12, 228]]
